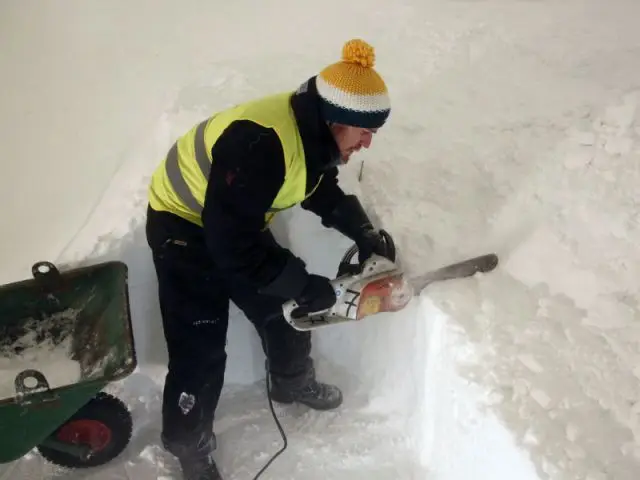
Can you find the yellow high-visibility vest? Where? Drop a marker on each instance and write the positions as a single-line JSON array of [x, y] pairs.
[[179, 183]]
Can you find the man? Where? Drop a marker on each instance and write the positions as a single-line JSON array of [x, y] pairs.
[[210, 204]]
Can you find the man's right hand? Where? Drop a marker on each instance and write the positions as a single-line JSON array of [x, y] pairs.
[[311, 292], [317, 295]]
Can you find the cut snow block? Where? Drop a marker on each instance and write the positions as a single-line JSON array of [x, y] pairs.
[[63, 338]]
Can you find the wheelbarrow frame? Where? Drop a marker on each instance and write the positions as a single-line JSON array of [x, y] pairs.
[[52, 408]]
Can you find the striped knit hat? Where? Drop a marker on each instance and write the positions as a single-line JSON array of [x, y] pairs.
[[352, 92]]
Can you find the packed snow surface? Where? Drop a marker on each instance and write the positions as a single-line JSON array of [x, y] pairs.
[[515, 129]]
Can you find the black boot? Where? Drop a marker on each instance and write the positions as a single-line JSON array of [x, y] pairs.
[[196, 463], [306, 390], [199, 468]]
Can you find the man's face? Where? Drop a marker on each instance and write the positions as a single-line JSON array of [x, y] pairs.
[[351, 139]]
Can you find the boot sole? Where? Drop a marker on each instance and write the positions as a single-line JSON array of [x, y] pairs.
[[323, 407]]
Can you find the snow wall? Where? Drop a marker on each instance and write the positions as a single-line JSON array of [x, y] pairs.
[[509, 136]]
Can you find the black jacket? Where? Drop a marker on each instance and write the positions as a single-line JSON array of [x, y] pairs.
[[245, 178]]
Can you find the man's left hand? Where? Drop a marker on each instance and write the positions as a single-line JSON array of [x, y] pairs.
[[372, 242]]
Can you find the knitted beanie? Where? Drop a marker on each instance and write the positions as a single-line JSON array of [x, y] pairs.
[[351, 91]]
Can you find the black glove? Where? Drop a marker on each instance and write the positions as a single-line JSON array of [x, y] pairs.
[[290, 281], [311, 292], [350, 219], [371, 242], [318, 294]]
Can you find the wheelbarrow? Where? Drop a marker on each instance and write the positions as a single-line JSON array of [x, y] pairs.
[[63, 338]]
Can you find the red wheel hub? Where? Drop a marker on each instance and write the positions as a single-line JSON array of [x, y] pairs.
[[86, 432]]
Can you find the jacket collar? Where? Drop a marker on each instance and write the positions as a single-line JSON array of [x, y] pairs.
[[320, 149]]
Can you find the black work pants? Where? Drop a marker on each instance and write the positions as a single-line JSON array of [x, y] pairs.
[[194, 302]]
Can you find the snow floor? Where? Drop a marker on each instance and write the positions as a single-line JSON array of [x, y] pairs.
[[515, 129]]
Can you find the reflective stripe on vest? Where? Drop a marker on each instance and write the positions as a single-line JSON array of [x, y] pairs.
[[175, 175]]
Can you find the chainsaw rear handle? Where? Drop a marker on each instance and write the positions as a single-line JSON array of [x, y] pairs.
[[349, 290], [347, 268]]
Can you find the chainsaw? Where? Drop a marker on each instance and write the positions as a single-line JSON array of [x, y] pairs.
[[378, 285]]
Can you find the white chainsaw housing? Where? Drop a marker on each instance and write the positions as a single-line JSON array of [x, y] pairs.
[[348, 289]]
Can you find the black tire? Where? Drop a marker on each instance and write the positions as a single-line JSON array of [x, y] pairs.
[[108, 423]]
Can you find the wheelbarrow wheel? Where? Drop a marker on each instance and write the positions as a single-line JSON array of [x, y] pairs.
[[104, 425]]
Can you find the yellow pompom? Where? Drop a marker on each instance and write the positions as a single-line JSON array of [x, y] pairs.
[[359, 52]]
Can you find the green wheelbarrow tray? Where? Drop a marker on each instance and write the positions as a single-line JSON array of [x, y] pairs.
[[63, 338]]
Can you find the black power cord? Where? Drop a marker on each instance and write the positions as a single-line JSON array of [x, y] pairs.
[[275, 417]]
